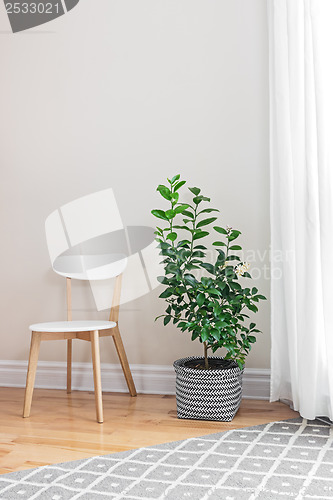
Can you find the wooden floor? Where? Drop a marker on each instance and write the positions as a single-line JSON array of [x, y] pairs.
[[62, 427]]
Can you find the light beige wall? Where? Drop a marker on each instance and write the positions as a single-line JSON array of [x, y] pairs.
[[122, 93]]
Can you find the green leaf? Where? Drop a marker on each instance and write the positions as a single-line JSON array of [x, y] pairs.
[[199, 235], [233, 235], [221, 256], [205, 222], [235, 247], [221, 324], [221, 285], [204, 334], [181, 208], [209, 267], [179, 185], [189, 278], [197, 199], [215, 333], [171, 268], [166, 320], [190, 266], [163, 280], [170, 214], [240, 364], [188, 214], [184, 243], [198, 253], [164, 191], [219, 244], [212, 291], [206, 281], [200, 299], [172, 236], [220, 230], [164, 245], [262, 297], [195, 190], [208, 211], [195, 335], [182, 227], [229, 272], [175, 178], [167, 293], [160, 214], [175, 197], [234, 285]]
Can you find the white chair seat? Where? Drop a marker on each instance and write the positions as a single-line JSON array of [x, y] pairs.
[[72, 326]]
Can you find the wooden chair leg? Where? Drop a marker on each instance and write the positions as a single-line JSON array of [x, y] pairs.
[[94, 338], [69, 366], [31, 374], [123, 361]]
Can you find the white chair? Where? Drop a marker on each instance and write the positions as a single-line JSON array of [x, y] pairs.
[[98, 266]]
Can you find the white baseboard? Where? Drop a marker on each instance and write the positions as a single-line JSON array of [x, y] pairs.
[[256, 383], [149, 379]]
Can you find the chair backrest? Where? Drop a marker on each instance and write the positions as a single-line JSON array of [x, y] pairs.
[[90, 267], [78, 243]]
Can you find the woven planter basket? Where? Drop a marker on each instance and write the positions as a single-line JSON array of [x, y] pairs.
[[207, 394]]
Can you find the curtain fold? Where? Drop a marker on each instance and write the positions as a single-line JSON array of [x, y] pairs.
[[301, 165]]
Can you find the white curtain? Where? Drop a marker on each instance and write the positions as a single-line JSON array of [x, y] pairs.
[[301, 157]]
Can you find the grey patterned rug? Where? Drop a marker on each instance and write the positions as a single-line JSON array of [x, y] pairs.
[[275, 461]]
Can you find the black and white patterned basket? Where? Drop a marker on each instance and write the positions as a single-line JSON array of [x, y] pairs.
[[207, 394]]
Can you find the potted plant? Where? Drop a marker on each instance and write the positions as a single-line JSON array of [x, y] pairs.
[[206, 297]]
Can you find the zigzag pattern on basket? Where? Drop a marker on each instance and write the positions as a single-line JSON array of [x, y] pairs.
[[207, 394]]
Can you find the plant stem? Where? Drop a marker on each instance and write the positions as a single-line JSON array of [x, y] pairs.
[[194, 228], [171, 220], [206, 355]]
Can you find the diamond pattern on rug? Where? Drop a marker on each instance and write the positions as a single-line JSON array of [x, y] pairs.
[[186, 492], [167, 473], [320, 488], [288, 467], [251, 464], [112, 484], [46, 476], [148, 489], [296, 453], [284, 484], [55, 493], [292, 459]]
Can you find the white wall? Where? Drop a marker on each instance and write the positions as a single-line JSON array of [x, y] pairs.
[[123, 93]]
